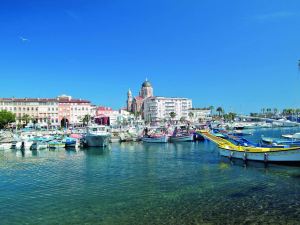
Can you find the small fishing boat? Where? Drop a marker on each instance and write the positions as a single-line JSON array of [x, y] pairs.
[[56, 144], [71, 142], [241, 132], [265, 154], [182, 138], [280, 141], [181, 135], [156, 139], [39, 145]]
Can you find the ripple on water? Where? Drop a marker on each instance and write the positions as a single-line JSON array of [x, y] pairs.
[[145, 184]]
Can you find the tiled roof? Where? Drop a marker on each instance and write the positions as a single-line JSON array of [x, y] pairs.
[[44, 100], [28, 99]]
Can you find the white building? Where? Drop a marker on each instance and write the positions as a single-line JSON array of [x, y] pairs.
[[159, 108], [197, 114]]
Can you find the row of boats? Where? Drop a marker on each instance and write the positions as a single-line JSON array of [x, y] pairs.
[[267, 150], [93, 136]]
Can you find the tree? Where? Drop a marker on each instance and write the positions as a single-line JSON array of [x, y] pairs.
[[137, 115], [125, 122], [191, 115], [275, 110], [211, 108], [26, 118], [172, 115], [182, 119], [86, 119], [6, 118], [220, 111]]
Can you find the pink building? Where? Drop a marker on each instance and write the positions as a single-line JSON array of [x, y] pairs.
[[72, 111], [103, 111]]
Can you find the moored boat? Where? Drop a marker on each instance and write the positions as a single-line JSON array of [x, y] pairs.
[[262, 154], [56, 145], [182, 138], [39, 145], [156, 139], [96, 136], [5, 146], [71, 142], [265, 154]]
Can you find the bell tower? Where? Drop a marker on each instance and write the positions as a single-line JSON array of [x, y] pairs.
[[129, 101]]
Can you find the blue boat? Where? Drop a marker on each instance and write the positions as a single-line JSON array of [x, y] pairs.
[[70, 142]]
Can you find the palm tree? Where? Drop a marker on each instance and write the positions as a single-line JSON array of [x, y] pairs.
[[86, 119], [172, 115], [231, 116], [182, 119], [211, 108], [263, 110], [191, 115], [220, 111], [26, 118]]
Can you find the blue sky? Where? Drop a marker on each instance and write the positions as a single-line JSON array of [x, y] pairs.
[[241, 55]]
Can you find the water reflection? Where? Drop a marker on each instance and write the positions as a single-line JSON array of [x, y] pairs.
[[137, 183], [97, 151]]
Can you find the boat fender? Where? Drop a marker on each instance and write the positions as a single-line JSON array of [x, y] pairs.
[[245, 156], [266, 157]]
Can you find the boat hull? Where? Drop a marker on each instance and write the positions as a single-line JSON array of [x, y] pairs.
[[97, 140], [187, 138], [23, 145], [115, 140], [163, 139], [38, 146], [276, 156], [5, 146]]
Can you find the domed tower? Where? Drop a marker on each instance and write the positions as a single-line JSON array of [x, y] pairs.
[[147, 90], [129, 101]]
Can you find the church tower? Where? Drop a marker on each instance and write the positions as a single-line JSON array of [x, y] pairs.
[[129, 101], [147, 90]]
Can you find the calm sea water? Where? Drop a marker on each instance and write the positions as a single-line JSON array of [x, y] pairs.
[[137, 183]]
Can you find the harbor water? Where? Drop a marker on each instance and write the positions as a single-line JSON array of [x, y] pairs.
[[136, 183]]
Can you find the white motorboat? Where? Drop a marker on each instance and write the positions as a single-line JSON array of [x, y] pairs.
[[97, 136]]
